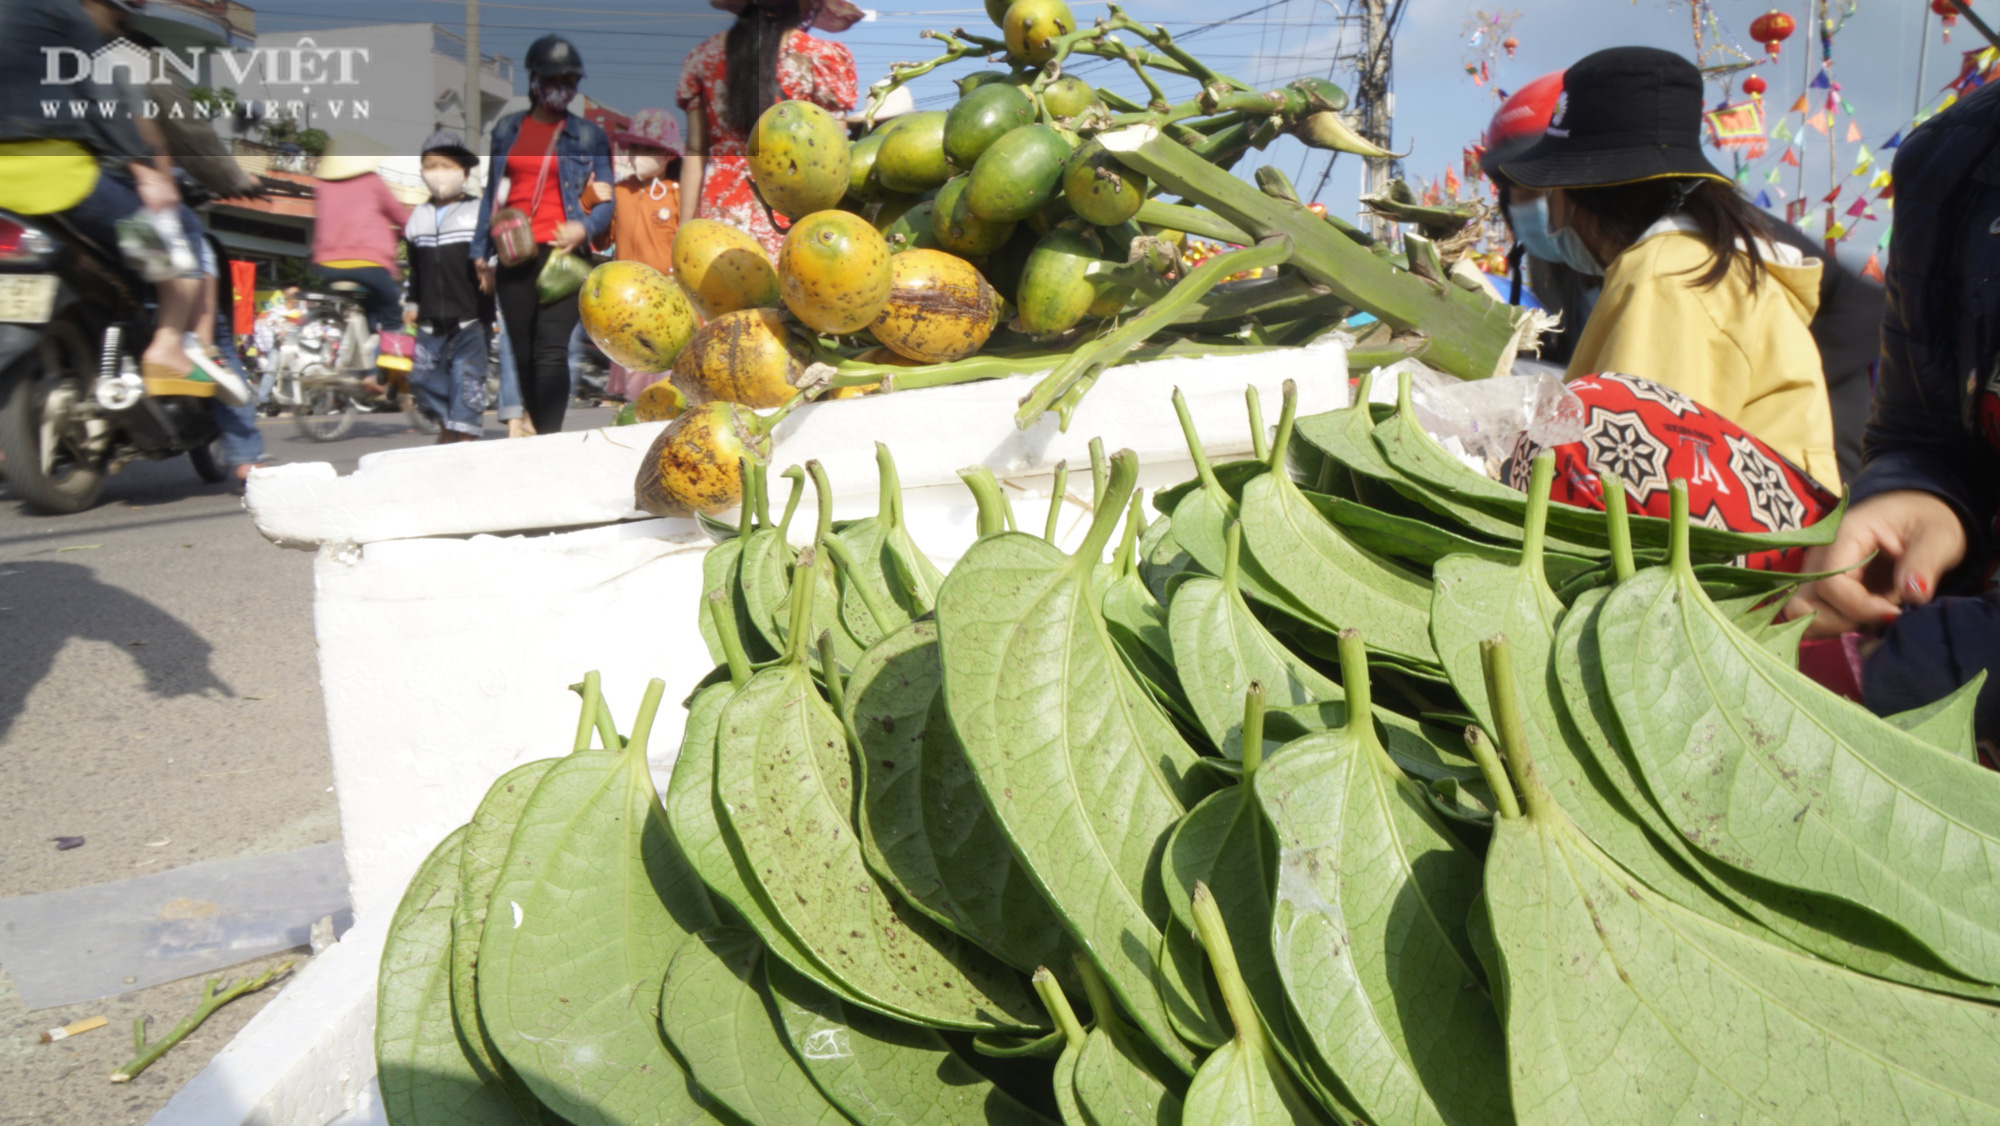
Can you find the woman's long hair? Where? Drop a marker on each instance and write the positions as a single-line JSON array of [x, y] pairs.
[[1725, 221], [751, 49]]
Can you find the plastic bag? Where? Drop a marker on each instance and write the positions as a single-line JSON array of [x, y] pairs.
[[1479, 421], [561, 275]]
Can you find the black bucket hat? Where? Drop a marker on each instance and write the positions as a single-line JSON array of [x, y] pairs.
[[1625, 115]]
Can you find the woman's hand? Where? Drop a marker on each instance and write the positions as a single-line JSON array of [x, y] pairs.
[[570, 235], [485, 271], [157, 190], [1915, 538]]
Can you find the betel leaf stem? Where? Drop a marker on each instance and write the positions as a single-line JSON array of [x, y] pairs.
[[1354, 680], [1618, 523], [214, 995], [1202, 469], [1287, 417], [1058, 493], [607, 727], [1058, 1005], [642, 726], [592, 690], [1103, 1008], [1677, 534], [1117, 490], [1232, 556], [1260, 442], [1491, 769], [732, 643], [1214, 935], [1497, 661], [746, 510], [823, 496], [797, 477], [803, 582], [1128, 543], [760, 491], [1100, 473], [1253, 729], [836, 688], [995, 514], [871, 599], [889, 498], [1534, 531]]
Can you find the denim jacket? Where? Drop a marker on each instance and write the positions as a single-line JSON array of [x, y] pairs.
[[581, 153]]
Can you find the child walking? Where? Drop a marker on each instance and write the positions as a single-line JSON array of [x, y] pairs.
[[647, 213], [453, 317]]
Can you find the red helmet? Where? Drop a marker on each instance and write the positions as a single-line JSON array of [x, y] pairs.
[[1520, 121]]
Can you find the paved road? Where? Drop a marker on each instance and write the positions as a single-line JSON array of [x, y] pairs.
[[159, 696]]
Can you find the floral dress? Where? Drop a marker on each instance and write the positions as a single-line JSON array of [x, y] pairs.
[[811, 70]]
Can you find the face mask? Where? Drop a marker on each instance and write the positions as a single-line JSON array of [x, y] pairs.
[[649, 167], [1564, 247], [550, 96], [445, 183]]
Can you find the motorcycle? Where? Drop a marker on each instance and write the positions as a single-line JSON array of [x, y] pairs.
[[74, 407]]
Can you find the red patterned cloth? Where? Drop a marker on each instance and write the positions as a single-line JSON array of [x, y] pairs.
[[1648, 435], [813, 70]]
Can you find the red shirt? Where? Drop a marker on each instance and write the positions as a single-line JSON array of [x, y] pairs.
[[533, 150]]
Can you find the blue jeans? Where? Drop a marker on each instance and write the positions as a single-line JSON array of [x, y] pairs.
[[242, 442], [449, 378], [510, 378], [383, 301]]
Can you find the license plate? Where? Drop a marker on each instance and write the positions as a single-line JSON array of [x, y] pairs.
[[27, 299]]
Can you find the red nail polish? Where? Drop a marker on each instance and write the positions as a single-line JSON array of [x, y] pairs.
[[1918, 586]]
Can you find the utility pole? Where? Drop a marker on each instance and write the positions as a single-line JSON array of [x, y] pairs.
[[473, 69], [1377, 108]]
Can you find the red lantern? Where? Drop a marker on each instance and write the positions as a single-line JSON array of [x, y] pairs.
[[1512, 44], [1755, 86], [1774, 27], [1946, 9]]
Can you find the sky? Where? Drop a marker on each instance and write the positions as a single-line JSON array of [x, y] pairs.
[[633, 49]]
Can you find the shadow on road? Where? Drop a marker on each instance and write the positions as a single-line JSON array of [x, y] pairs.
[[53, 602]]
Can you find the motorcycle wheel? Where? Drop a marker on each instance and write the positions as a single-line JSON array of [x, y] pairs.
[[324, 412], [206, 465], [47, 462]]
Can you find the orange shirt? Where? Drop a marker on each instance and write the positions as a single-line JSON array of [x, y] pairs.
[[644, 222]]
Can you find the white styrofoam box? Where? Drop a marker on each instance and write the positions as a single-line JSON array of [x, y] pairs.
[[584, 478], [444, 661]]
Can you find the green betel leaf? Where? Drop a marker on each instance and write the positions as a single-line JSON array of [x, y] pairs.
[[480, 860], [427, 1076], [880, 1070], [1423, 543], [1623, 1006], [1761, 768], [1243, 1081], [1368, 929], [714, 1012], [1111, 1086], [1342, 584], [785, 783], [1074, 1038], [924, 824], [1592, 774], [1138, 627], [1187, 989], [704, 840], [1084, 773], [592, 902], [1161, 557], [1947, 723]]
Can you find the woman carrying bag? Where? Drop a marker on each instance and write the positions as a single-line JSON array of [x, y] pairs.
[[542, 225], [1696, 297]]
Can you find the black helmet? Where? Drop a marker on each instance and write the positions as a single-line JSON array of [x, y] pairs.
[[552, 56]]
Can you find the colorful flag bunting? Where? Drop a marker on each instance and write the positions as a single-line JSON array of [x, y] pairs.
[[1771, 177], [1804, 222], [1847, 107], [1883, 242], [1763, 199], [1451, 182], [1873, 270], [1821, 81], [1853, 131], [1836, 232], [1782, 131], [1832, 195], [1798, 106], [1791, 157], [1817, 121], [1860, 205], [1881, 179], [1894, 142]]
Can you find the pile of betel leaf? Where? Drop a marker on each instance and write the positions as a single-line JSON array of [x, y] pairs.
[[1356, 788]]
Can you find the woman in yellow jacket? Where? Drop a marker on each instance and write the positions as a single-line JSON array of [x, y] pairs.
[[1695, 297]]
